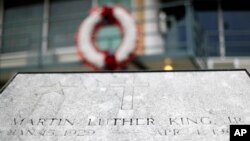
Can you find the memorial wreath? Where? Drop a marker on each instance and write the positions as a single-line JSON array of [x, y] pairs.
[[87, 47]]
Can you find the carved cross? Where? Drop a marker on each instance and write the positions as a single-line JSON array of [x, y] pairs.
[[128, 93]]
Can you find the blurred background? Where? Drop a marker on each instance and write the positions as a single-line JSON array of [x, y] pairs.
[[38, 35]]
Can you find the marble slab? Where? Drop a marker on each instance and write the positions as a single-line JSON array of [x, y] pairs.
[[124, 106]]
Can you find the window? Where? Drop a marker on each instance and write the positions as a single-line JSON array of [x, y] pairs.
[[237, 32], [22, 25], [65, 18]]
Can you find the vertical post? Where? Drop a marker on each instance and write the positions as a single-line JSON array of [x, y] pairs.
[[94, 3], [110, 42], [172, 41], [221, 30], [154, 43], [45, 31], [1, 23], [132, 5], [189, 28], [138, 12], [45, 27]]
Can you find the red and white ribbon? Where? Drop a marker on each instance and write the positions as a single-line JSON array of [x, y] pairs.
[[89, 51]]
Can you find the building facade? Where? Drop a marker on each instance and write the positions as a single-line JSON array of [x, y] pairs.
[[38, 35]]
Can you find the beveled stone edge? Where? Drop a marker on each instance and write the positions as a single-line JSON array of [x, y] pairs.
[[139, 71]]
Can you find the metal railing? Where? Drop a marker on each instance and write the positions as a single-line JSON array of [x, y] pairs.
[[236, 41]]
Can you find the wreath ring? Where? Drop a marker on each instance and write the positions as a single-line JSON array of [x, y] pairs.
[[89, 51]]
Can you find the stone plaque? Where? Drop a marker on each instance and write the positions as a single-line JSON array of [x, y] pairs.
[[124, 106]]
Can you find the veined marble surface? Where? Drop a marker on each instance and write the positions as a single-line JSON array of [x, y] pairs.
[[133, 106]]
